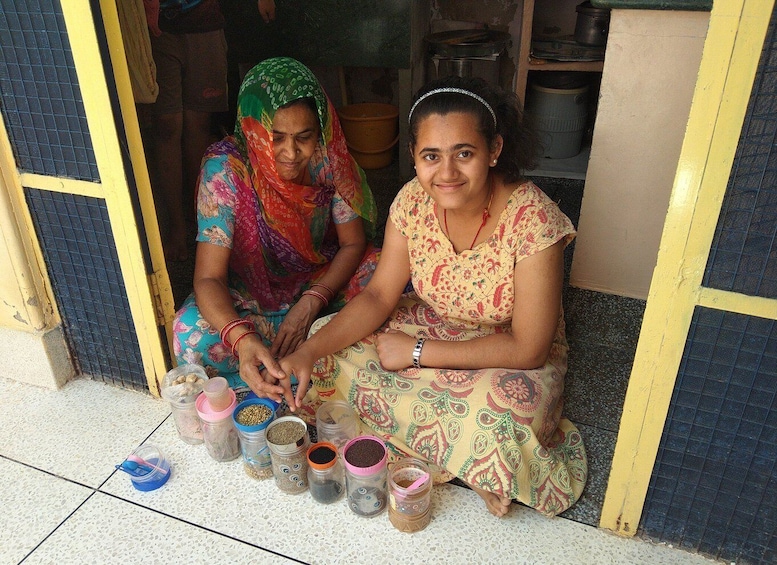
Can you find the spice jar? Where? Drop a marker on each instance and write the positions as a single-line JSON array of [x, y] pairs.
[[288, 440], [364, 459], [337, 422], [218, 430], [410, 490], [180, 388], [326, 478], [251, 418]]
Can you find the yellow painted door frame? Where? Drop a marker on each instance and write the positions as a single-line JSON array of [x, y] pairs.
[[147, 286], [729, 62]]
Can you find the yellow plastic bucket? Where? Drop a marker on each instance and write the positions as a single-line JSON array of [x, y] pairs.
[[371, 130]]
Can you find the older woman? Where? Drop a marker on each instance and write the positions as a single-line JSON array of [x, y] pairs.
[[466, 372], [285, 217]]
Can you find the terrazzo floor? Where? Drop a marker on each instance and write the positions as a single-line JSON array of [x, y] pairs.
[[67, 503], [63, 502]]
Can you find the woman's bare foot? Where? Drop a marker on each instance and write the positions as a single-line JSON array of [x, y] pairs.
[[497, 505]]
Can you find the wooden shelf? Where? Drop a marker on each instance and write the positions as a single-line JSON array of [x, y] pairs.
[[551, 65], [528, 63]]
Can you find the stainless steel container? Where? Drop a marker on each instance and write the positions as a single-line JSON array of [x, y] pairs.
[[466, 53]]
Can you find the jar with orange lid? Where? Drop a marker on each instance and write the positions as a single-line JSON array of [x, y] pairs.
[[326, 476]]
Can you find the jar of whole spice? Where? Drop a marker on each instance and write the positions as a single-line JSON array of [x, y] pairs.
[[326, 478], [251, 418], [364, 459], [288, 440], [180, 387]]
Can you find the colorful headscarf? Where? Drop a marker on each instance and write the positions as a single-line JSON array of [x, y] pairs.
[[296, 233]]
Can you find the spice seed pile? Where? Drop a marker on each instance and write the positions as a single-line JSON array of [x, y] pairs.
[[285, 433], [253, 414]]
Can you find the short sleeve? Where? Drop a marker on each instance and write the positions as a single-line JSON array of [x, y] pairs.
[[537, 223], [216, 197], [341, 212], [406, 207]]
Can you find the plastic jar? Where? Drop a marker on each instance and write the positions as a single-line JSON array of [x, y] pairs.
[[218, 429], [410, 495], [251, 418], [288, 440], [180, 388], [153, 467], [364, 459], [337, 423], [326, 477]]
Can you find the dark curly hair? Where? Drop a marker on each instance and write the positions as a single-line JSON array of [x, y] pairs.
[[521, 145]]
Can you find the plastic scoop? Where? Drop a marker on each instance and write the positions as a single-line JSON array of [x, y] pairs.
[[412, 487], [143, 464], [217, 391]]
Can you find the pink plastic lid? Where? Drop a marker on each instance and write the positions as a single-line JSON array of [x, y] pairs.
[[365, 471], [207, 413], [216, 391]]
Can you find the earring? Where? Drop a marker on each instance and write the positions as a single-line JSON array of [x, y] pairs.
[[494, 162]]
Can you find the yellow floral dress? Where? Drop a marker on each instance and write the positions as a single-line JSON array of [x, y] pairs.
[[498, 429]]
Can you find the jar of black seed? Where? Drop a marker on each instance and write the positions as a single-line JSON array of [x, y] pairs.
[[364, 459], [326, 477]]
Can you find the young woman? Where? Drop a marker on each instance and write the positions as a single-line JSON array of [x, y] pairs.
[[467, 371], [285, 216]]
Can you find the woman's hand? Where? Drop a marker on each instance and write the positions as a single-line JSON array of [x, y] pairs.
[[299, 364], [395, 350], [252, 354], [295, 326]]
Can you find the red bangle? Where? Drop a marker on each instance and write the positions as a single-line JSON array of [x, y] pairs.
[[318, 295], [241, 336], [322, 285], [229, 326]]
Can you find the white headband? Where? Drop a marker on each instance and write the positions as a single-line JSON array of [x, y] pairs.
[[456, 91]]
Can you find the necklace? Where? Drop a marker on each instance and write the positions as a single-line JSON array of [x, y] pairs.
[[486, 215]]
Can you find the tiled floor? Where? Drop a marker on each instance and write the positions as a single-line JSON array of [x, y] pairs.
[[63, 502]]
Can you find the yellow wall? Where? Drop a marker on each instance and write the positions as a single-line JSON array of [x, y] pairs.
[[650, 70]]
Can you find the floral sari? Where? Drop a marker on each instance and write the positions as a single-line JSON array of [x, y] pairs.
[[282, 234]]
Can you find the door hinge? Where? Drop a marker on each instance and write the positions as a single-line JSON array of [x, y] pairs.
[[160, 311]]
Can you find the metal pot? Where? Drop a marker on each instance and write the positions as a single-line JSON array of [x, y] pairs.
[[592, 25], [465, 43]]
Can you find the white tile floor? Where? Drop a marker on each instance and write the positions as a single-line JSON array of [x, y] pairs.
[[62, 502]]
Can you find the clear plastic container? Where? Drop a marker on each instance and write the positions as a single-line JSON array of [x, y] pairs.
[[217, 391], [364, 459], [336, 422], [251, 418], [410, 495], [218, 429], [288, 440], [152, 468], [326, 477], [180, 388]]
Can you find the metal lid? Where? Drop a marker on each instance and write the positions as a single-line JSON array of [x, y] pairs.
[[468, 43]]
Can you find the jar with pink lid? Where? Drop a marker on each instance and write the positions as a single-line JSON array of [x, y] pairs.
[[215, 407], [364, 459]]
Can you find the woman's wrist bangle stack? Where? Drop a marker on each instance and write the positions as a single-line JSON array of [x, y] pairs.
[[315, 293], [241, 336], [229, 326], [326, 288], [419, 345]]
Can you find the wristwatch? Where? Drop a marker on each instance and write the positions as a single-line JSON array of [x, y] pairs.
[[419, 345]]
